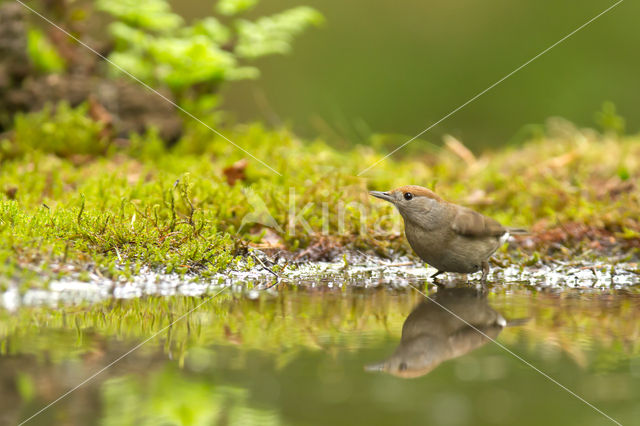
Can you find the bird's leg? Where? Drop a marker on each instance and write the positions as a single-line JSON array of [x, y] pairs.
[[436, 274], [485, 271]]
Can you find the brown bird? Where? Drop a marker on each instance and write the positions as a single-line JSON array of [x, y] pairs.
[[449, 237]]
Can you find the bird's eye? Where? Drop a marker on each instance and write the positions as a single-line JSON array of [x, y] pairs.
[[402, 366], [408, 196]]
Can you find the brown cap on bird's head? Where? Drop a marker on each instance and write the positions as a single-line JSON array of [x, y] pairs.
[[407, 192], [418, 191]]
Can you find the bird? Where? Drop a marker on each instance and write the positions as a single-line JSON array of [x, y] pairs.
[[449, 324], [447, 236]]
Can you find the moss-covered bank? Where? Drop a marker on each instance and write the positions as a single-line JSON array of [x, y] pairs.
[[72, 198]]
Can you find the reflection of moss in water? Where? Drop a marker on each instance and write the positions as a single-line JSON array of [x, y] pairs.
[[275, 359], [168, 397], [324, 389], [276, 325], [595, 330]]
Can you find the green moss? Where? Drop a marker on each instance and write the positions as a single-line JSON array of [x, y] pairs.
[[68, 199], [62, 130]]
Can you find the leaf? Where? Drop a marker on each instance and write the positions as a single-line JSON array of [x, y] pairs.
[[211, 28], [42, 53], [234, 7], [188, 61], [235, 172], [148, 14], [274, 34]]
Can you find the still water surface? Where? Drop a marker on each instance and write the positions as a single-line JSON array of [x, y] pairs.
[[321, 355]]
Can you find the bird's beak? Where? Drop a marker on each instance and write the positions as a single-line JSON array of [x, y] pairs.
[[382, 195], [379, 366]]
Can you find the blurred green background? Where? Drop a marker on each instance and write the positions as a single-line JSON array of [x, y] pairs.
[[395, 67]]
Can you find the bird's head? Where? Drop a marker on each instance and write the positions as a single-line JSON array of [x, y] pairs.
[[411, 200]]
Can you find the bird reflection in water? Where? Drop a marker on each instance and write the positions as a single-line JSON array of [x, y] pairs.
[[432, 334]]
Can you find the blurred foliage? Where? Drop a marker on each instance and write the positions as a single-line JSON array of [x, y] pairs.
[[154, 15], [234, 7], [42, 53], [274, 34], [609, 120], [63, 131], [399, 68], [168, 397], [66, 198], [156, 46]]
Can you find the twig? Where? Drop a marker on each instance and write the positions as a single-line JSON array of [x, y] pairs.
[[265, 267]]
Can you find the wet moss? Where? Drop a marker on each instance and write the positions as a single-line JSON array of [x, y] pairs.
[[73, 199]]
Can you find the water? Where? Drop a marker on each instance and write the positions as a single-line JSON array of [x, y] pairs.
[[328, 351]]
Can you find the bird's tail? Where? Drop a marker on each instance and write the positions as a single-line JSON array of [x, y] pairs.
[[518, 231]]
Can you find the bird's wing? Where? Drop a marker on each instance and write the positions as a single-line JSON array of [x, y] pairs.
[[473, 224]]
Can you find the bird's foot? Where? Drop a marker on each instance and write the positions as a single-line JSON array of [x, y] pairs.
[[485, 272]]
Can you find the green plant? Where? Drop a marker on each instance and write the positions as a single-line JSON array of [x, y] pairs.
[[63, 130], [155, 45], [42, 53], [609, 120]]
